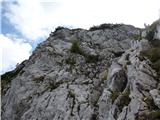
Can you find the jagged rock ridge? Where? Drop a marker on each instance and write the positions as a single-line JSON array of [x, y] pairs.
[[97, 74]]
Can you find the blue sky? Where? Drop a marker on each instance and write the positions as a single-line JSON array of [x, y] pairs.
[[25, 23]]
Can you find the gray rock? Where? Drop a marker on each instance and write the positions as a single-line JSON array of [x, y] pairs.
[[156, 96], [101, 79]]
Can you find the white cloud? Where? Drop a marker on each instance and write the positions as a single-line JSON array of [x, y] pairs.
[[12, 52], [37, 18], [34, 20]]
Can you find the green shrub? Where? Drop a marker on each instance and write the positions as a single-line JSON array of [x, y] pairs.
[[136, 37], [150, 103], [91, 58], [75, 48], [151, 30], [71, 94], [52, 86], [104, 26], [125, 98], [39, 79], [156, 66], [70, 61], [105, 75], [154, 115], [114, 95], [150, 34], [8, 77]]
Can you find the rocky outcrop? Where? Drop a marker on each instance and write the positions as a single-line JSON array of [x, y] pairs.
[[96, 74]]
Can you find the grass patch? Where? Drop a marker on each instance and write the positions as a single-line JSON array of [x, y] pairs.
[[114, 95], [39, 79], [104, 26], [53, 86], [91, 58], [75, 48], [104, 75], [150, 34], [154, 115], [150, 102], [125, 98], [70, 61], [153, 54], [156, 66], [10, 75], [137, 37], [71, 94]]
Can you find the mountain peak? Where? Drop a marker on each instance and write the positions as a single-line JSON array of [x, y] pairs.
[[109, 72]]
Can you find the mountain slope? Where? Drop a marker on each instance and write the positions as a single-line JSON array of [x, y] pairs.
[[97, 74]]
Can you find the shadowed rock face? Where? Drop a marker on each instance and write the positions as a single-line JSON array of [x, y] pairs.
[[95, 74]]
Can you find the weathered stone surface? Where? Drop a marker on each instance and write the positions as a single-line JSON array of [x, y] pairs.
[[156, 96], [103, 78]]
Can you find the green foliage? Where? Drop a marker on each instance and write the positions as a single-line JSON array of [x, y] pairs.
[[114, 95], [150, 102], [39, 79], [153, 54], [105, 75], [128, 63], [150, 34], [52, 86], [70, 61], [154, 115], [125, 98], [156, 66], [71, 94], [91, 58], [104, 26], [75, 48], [8, 77], [136, 37]]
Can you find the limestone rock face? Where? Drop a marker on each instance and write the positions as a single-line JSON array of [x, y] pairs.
[[96, 74]]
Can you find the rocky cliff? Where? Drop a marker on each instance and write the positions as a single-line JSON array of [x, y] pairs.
[[109, 72]]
